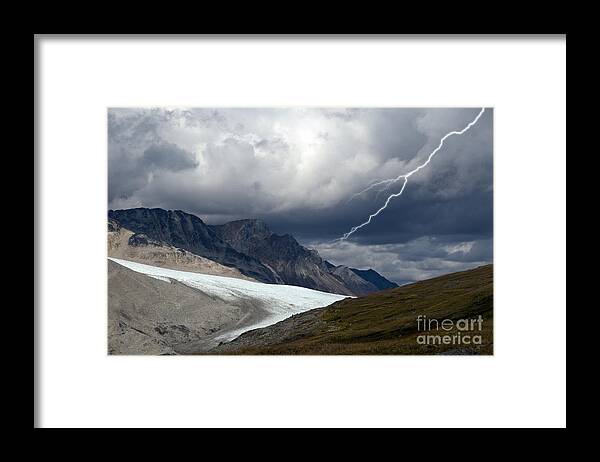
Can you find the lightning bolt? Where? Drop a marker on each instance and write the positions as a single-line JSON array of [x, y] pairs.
[[371, 185], [404, 177]]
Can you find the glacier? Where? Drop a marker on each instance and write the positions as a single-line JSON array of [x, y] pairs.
[[280, 301]]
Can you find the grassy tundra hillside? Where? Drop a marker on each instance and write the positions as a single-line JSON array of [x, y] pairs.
[[388, 322]]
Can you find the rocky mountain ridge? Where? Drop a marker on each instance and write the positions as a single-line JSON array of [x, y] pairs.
[[251, 247], [188, 232]]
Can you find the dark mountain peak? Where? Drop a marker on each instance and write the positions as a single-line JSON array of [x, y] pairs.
[[145, 213], [188, 232], [294, 263], [286, 247], [251, 227], [243, 235], [284, 238], [252, 222], [374, 278], [182, 214]]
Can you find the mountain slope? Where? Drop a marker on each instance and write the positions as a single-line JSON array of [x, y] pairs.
[[189, 232], [384, 322], [294, 263], [353, 281], [374, 278], [127, 245], [247, 304], [151, 316]]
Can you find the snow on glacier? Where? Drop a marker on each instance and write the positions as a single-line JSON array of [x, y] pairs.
[[281, 301]]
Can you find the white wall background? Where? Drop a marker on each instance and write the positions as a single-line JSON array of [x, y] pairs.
[[522, 385]]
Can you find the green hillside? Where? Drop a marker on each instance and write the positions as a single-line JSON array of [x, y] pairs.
[[387, 322]]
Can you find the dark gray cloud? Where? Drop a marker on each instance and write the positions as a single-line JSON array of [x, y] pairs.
[[167, 156], [417, 259], [298, 168], [137, 152]]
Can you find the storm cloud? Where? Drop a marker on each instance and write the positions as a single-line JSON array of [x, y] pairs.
[[297, 169]]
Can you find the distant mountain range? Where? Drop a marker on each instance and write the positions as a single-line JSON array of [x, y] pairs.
[[245, 246]]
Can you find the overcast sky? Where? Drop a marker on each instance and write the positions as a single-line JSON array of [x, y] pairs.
[[298, 169]]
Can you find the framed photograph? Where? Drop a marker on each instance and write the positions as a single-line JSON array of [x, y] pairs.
[[300, 231]]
